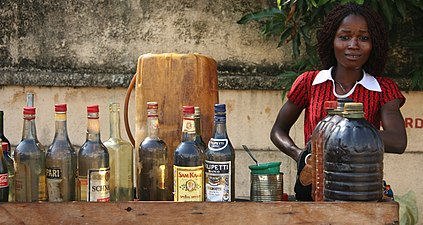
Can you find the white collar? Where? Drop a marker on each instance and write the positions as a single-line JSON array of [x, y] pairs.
[[368, 82]]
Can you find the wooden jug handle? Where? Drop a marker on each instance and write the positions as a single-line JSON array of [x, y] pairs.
[[125, 109]]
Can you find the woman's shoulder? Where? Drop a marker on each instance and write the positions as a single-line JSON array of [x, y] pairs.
[[386, 82]]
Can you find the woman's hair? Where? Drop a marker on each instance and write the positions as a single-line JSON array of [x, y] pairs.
[[378, 34]]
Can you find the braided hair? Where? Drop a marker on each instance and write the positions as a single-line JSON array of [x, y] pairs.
[[378, 35]]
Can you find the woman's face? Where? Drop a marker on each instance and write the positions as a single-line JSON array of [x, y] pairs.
[[352, 43]]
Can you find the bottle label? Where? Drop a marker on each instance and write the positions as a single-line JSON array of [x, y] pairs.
[[188, 183], [218, 181], [42, 188], [188, 125], [83, 187], [20, 191], [218, 144], [54, 178], [98, 185], [4, 180]]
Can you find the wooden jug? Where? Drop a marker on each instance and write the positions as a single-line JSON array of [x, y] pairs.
[[172, 80]]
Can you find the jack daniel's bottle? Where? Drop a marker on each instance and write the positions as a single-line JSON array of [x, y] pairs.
[[93, 161], [61, 161], [188, 164], [220, 161]]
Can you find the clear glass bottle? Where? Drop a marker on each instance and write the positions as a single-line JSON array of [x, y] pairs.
[[220, 161], [93, 163], [198, 138], [10, 170], [30, 179], [61, 161], [121, 160], [4, 178], [188, 169], [153, 179]]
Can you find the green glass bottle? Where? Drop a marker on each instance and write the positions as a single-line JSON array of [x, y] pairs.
[[121, 160]]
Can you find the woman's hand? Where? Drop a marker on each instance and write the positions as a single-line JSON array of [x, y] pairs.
[[393, 135]]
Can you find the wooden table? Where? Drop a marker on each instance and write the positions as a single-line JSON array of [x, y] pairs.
[[163, 213]]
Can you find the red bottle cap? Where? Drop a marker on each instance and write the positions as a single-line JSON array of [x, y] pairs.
[[92, 109], [330, 105], [5, 146], [28, 110], [60, 107], [188, 109], [152, 105]]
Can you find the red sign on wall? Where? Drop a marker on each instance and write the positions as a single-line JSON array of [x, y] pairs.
[[413, 122]]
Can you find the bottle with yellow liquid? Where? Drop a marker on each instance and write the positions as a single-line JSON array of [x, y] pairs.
[[121, 160]]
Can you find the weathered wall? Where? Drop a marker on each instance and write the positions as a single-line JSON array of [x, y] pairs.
[[97, 43]]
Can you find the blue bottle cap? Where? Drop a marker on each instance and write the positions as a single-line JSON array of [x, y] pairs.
[[220, 108]]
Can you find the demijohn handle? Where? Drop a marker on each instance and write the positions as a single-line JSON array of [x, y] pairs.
[[125, 109]]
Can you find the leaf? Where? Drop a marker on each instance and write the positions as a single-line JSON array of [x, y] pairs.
[[257, 16], [387, 12], [401, 9], [285, 34]]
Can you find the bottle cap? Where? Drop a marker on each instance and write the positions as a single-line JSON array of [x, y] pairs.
[[188, 109], [60, 107], [197, 110], [5, 146], [28, 110], [152, 105], [219, 108], [353, 107], [92, 109], [330, 105]]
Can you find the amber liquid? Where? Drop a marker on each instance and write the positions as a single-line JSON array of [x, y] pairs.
[[353, 168]]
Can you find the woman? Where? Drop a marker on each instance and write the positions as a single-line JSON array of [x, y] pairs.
[[353, 47]]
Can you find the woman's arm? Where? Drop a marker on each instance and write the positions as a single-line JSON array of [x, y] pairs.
[[279, 135], [393, 134]]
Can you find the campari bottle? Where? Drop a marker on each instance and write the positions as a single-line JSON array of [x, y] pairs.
[[61, 161]]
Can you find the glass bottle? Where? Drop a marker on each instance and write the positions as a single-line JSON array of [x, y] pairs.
[[353, 166], [153, 180], [10, 170], [4, 178], [198, 138], [121, 160], [61, 161], [93, 163], [30, 179], [2, 136], [188, 169], [220, 161]]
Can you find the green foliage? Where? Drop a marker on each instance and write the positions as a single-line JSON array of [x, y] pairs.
[[296, 22]]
